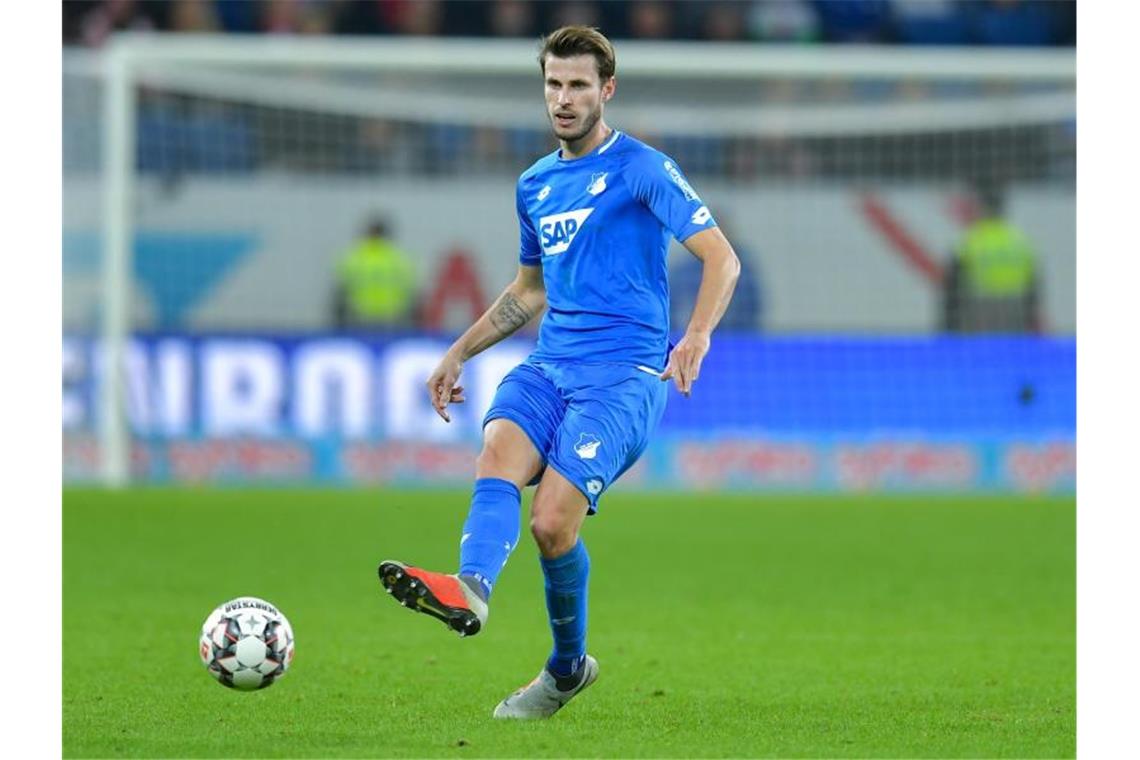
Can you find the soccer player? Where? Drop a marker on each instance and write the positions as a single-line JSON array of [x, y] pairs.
[[595, 219]]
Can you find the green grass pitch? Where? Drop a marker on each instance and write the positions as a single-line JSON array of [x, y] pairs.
[[724, 626]]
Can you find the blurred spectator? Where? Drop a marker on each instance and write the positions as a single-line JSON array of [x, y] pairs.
[[650, 19], [579, 12], [991, 283], [929, 22], [783, 21], [376, 283], [297, 17], [93, 23], [860, 21], [744, 312], [193, 16], [281, 16], [513, 18], [420, 18], [723, 22]]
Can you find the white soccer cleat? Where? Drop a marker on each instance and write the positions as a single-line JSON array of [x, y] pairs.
[[541, 698]]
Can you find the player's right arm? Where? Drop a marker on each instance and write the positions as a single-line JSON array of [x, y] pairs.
[[518, 304]]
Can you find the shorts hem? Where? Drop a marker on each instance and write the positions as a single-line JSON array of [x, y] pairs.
[[591, 501]]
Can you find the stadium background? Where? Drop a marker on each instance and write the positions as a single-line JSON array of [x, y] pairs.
[[833, 373], [839, 143]]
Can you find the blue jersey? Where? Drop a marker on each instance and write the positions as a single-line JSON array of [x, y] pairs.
[[599, 226]]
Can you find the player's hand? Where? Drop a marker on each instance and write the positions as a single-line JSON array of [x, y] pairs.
[[684, 365], [442, 386]]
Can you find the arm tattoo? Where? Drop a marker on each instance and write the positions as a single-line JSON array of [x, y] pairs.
[[509, 314]]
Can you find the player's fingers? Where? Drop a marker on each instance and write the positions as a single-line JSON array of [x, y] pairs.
[[694, 370], [669, 370], [682, 379], [439, 402]]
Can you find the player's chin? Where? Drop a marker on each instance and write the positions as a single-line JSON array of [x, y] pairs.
[[571, 133]]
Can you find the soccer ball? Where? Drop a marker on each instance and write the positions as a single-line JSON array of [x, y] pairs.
[[246, 643]]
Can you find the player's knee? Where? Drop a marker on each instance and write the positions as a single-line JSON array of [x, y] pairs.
[[553, 535], [490, 462]]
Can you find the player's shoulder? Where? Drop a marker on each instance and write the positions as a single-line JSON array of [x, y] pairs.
[[641, 161], [539, 166], [633, 152]]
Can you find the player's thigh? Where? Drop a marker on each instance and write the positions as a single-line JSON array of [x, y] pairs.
[[527, 407], [606, 428], [508, 453]]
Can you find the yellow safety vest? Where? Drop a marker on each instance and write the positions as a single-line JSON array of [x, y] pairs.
[[997, 259], [379, 281]]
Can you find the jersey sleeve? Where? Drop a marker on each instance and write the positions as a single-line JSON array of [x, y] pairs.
[[529, 252], [657, 181]]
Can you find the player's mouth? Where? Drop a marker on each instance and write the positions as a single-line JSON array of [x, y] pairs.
[[563, 119]]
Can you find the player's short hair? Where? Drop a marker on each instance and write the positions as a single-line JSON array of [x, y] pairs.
[[570, 41]]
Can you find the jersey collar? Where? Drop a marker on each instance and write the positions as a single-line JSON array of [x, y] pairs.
[[595, 152]]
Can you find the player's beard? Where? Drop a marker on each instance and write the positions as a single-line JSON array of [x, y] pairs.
[[588, 122]]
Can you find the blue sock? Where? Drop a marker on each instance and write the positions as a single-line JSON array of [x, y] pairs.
[[566, 578], [491, 531]]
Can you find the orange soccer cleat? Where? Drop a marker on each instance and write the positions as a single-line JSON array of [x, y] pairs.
[[444, 597]]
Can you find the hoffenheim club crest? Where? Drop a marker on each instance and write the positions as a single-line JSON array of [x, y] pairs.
[[587, 446], [597, 183]]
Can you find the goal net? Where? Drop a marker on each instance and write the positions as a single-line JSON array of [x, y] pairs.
[[212, 186]]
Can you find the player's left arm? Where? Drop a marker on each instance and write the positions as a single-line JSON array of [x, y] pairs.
[[720, 270]]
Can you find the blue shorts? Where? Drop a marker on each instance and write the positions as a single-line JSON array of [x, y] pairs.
[[590, 422]]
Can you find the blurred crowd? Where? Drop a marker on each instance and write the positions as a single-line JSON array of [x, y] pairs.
[[943, 22], [180, 134]]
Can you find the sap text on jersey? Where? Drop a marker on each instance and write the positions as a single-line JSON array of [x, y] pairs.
[[559, 230]]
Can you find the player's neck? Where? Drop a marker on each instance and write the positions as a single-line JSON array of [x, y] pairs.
[[587, 143]]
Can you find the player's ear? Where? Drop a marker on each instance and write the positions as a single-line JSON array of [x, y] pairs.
[[609, 88]]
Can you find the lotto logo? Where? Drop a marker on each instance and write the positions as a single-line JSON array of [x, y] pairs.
[[558, 230], [686, 189]]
